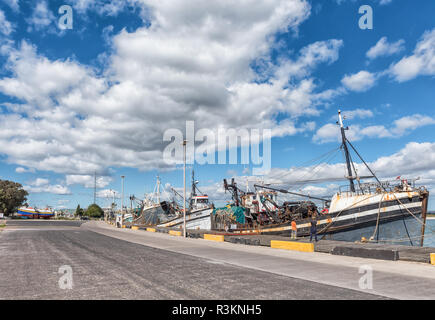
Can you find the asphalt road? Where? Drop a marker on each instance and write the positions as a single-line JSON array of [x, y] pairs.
[[103, 267]]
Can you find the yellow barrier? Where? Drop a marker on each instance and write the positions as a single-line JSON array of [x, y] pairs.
[[432, 258], [134, 228], [175, 233], [295, 246], [151, 229], [214, 237], [123, 227]]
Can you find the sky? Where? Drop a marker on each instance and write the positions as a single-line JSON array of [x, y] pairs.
[[98, 98]]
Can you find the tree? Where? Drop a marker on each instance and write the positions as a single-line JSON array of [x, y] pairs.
[[79, 211], [94, 211], [12, 196]]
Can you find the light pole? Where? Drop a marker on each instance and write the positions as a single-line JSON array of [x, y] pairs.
[[112, 206], [184, 188], [122, 198]]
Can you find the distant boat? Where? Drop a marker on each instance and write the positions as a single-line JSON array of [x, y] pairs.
[[34, 213]]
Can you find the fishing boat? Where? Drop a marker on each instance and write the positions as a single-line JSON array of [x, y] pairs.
[[34, 213], [377, 211], [198, 215], [154, 211]]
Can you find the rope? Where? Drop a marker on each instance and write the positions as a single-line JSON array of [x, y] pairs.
[[377, 224], [403, 239], [382, 186], [377, 220], [341, 213]]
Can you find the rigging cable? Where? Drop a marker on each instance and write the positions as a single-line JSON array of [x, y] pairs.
[[382, 186], [304, 164]]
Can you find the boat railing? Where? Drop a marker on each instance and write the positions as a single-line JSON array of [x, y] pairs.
[[384, 186]]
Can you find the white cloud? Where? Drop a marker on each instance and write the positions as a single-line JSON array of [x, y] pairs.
[[193, 63], [354, 114], [421, 62], [415, 160], [400, 127], [13, 4], [24, 170], [42, 185], [88, 181], [41, 17], [108, 193], [327, 133], [5, 26], [39, 182], [384, 48], [309, 57], [103, 7], [406, 124], [361, 81]]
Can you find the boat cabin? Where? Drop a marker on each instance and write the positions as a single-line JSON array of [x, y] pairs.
[[257, 202], [198, 202]]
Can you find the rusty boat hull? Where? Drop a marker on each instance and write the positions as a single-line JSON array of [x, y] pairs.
[[396, 218]]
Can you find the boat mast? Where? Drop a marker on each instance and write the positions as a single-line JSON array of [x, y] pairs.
[[346, 151], [193, 193], [158, 189]]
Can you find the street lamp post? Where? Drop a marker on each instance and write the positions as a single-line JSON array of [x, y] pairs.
[[122, 199], [184, 188]]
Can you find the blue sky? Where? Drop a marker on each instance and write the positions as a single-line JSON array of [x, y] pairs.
[[100, 96]]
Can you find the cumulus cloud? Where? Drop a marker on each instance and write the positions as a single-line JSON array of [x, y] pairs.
[[104, 7], [414, 161], [108, 194], [23, 170], [88, 181], [13, 4], [361, 81], [193, 63], [421, 62], [384, 48], [41, 17], [42, 185], [355, 114], [331, 132], [6, 28]]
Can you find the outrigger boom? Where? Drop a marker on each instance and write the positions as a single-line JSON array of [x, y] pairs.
[[292, 193]]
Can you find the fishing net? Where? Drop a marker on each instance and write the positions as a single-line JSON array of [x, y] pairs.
[[230, 214]]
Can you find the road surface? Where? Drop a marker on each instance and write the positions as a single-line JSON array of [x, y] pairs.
[[110, 263]]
